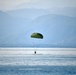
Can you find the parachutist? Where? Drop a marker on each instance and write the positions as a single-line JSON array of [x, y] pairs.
[[35, 52], [37, 36]]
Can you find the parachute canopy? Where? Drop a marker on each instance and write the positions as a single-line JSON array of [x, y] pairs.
[[37, 35]]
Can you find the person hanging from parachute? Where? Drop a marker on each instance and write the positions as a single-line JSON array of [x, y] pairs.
[[35, 52], [37, 36]]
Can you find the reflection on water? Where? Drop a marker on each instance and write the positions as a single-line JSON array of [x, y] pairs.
[[37, 60], [37, 65]]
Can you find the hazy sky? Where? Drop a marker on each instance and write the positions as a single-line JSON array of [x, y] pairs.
[[9, 4]]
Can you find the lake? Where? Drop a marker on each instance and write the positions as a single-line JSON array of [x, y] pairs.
[[47, 61]]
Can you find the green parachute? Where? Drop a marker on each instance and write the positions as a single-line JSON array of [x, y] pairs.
[[37, 35]]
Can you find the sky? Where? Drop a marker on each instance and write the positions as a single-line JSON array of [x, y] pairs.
[[10, 4]]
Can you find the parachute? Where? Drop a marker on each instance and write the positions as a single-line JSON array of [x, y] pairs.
[[37, 35]]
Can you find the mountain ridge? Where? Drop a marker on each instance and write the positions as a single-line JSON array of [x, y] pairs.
[[58, 31]]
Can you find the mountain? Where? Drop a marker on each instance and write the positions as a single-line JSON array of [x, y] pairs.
[[45, 4], [35, 12], [5, 20], [10, 26], [53, 7], [38, 4], [67, 11], [28, 13], [58, 31]]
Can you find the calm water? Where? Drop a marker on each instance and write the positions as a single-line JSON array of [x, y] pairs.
[[39, 64]]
